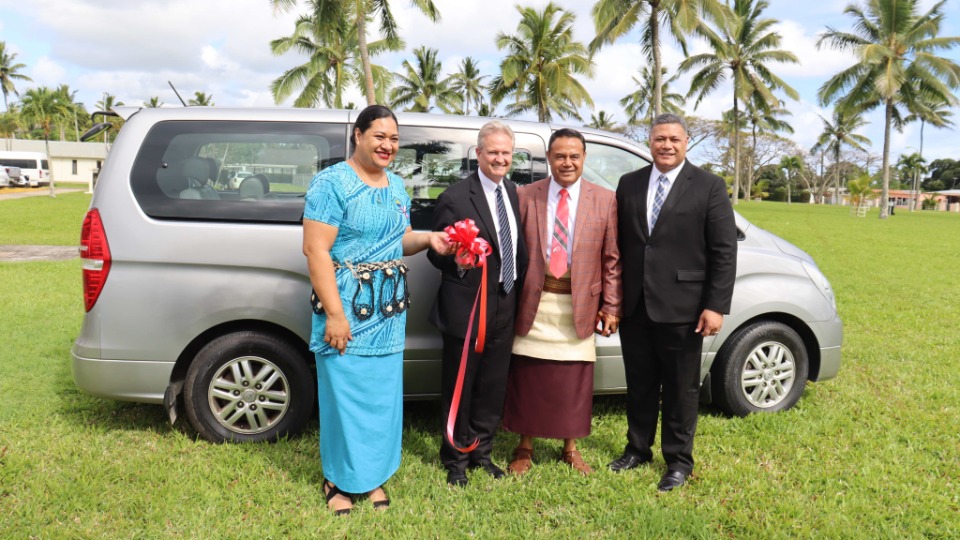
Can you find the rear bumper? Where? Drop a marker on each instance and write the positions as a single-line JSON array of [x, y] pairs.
[[126, 380]]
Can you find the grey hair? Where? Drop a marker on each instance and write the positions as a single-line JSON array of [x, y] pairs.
[[494, 126], [669, 118]]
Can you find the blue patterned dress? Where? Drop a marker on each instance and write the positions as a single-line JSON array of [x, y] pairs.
[[360, 392]]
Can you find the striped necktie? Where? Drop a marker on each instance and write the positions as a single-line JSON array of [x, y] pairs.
[[561, 237], [506, 243], [658, 200]]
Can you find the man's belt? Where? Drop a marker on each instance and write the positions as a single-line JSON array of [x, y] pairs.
[[557, 285]]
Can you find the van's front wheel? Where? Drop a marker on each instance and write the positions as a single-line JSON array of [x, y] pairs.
[[762, 368], [248, 387]]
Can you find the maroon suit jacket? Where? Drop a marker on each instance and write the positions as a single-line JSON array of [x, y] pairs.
[[595, 272]]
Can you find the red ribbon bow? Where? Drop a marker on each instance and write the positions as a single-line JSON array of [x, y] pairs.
[[473, 251]]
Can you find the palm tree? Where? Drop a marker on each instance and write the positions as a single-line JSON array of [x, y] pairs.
[[333, 63], [200, 99], [73, 111], [153, 103], [762, 116], [913, 165], [640, 103], [542, 59], [896, 63], [929, 110], [601, 120], [861, 190], [744, 46], [614, 18], [357, 13], [421, 85], [44, 108], [791, 165], [468, 83], [9, 71], [10, 125], [837, 134], [108, 102]]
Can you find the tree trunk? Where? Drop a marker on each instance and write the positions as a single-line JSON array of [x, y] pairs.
[[736, 149], [657, 69], [836, 175], [753, 163], [365, 54], [916, 175], [789, 181], [885, 192], [46, 141]]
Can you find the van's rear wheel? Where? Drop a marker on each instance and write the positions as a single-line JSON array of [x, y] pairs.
[[248, 387], [762, 368]]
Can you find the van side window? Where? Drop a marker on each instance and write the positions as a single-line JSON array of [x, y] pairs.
[[606, 164], [233, 171], [431, 159]]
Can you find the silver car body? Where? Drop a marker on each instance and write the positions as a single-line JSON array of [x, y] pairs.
[[174, 285]]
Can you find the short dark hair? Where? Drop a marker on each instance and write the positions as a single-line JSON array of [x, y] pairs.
[[367, 117], [670, 118], [566, 133]]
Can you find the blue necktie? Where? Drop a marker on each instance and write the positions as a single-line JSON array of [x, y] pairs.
[[658, 200], [506, 243]]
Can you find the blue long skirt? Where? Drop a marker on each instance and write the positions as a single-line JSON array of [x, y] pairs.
[[361, 418]]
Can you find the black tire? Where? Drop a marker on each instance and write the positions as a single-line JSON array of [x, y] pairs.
[[260, 385], [761, 368]]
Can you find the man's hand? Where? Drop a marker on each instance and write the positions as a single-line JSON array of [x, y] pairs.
[[607, 324], [710, 323]]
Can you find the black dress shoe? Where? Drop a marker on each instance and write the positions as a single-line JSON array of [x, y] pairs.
[[627, 462], [457, 478], [489, 467], [671, 480]]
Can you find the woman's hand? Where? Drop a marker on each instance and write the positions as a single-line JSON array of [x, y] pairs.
[[337, 333], [440, 243]]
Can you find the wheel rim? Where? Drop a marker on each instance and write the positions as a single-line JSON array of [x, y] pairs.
[[249, 395], [768, 374]]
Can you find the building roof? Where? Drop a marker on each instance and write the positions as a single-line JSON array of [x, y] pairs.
[[58, 149]]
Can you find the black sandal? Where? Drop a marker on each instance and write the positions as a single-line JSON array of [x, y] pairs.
[[381, 505], [331, 492]]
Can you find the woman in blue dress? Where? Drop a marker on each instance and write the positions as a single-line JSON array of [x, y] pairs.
[[356, 230]]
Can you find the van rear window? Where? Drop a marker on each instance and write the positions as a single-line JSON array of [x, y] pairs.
[[232, 171]]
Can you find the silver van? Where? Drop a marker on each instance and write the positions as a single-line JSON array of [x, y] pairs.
[[196, 289]]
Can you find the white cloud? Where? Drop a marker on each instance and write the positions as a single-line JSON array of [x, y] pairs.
[[47, 72]]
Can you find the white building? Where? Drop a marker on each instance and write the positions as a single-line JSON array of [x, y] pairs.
[[69, 161]]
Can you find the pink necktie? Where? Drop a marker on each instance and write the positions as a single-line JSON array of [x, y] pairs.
[[558, 248]]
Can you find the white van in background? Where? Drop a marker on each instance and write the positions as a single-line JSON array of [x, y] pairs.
[[34, 166]]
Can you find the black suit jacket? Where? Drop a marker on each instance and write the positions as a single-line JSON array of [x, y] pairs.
[[465, 199], [689, 262]]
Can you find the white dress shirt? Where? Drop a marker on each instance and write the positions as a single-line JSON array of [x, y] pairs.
[[490, 191], [553, 199]]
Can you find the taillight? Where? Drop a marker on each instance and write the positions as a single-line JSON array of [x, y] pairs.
[[94, 256]]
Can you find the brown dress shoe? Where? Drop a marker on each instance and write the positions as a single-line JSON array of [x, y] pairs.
[[522, 461], [575, 460]]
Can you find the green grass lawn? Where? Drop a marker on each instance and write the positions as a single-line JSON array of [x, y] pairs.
[[41, 220], [874, 453]]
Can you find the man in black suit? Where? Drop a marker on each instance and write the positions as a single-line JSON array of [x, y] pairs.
[[490, 200], [678, 247]]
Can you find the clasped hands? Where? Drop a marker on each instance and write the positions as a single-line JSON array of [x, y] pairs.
[[607, 324]]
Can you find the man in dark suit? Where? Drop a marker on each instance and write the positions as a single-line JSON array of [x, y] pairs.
[[678, 247], [490, 200]]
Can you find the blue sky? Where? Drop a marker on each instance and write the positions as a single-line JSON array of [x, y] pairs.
[[131, 48]]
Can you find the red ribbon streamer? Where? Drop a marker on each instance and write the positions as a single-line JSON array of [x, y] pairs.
[[472, 251]]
